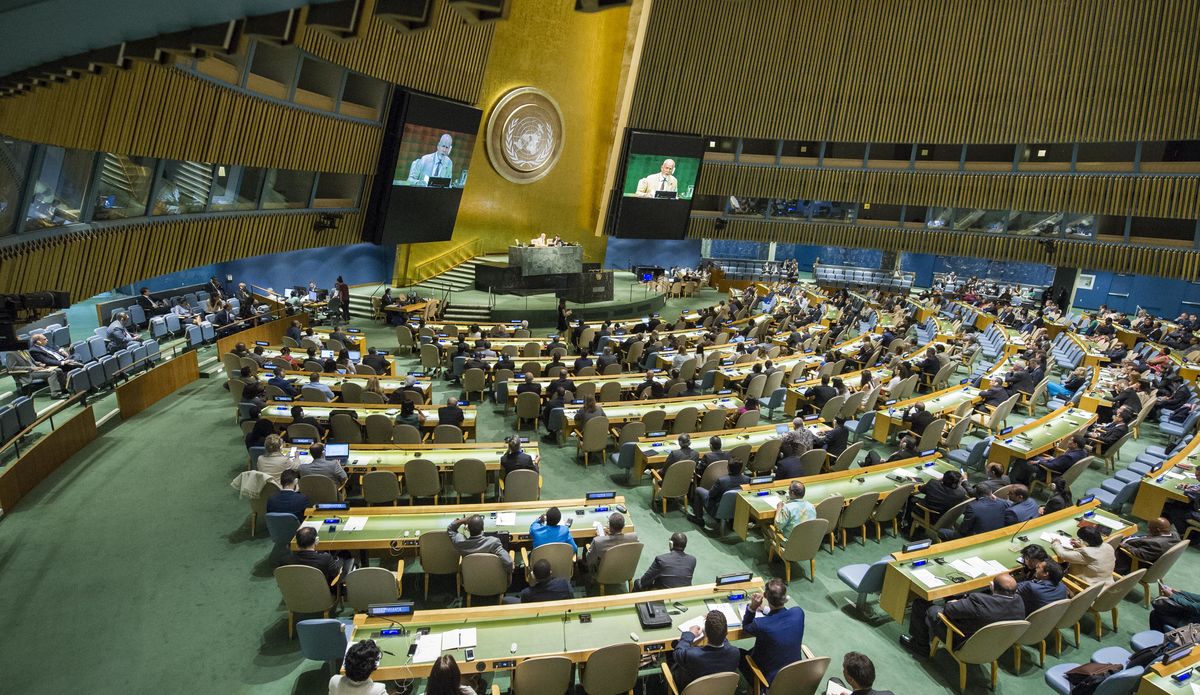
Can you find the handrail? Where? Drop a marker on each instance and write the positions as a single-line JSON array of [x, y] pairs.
[[15, 440], [416, 274]]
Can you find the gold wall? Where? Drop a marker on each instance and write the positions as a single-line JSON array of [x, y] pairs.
[[576, 58]]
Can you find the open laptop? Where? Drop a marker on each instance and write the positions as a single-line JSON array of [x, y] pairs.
[[337, 452]]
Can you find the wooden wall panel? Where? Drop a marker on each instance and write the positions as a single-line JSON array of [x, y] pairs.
[[1165, 262], [37, 462], [930, 71], [153, 385], [87, 262]]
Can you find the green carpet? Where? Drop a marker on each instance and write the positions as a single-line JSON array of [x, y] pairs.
[[131, 569]]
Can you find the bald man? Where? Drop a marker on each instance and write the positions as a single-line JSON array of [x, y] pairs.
[[435, 165], [664, 180], [1159, 538], [969, 614]]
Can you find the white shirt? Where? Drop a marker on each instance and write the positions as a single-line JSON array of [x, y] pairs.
[[342, 685]]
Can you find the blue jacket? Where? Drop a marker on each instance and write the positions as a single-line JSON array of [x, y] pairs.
[[1021, 512], [983, 515], [778, 637], [692, 662], [1038, 592], [541, 534], [288, 502]]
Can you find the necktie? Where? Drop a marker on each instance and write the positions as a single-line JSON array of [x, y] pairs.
[[438, 167], [663, 186]]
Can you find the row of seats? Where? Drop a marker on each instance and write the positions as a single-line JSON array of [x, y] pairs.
[[839, 276], [16, 417], [194, 300], [57, 334], [107, 369]]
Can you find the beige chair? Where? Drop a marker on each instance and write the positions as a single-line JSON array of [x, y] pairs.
[[520, 486], [303, 430], [890, 508], [308, 394], [561, 557], [319, 489], [676, 483], [380, 487], [365, 370], [932, 436], [1080, 603], [585, 390], [344, 429], [765, 458], [750, 418], [846, 458], [473, 382], [614, 368], [483, 574], [712, 684], [447, 434], [954, 437], [405, 434], [856, 515], [852, 405], [531, 349], [610, 392], [655, 420], [983, 647], [832, 407], [421, 479], [470, 478], [352, 392], [404, 339], [611, 670], [367, 585], [379, 428], [949, 519], [631, 432], [540, 675], [993, 422], [1111, 454], [438, 556], [811, 462], [431, 359], [711, 421], [529, 407], [372, 398], [757, 384], [797, 678], [271, 391], [1069, 476], [1041, 623], [305, 590], [923, 518], [593, 439], [830, 509], [634, 356], [685, 420], [741, 452], [232, 365], [258, 505], [1036, 398], [618, 565], [1110, 598], [802, 544], [1157, 571], [713, 472]]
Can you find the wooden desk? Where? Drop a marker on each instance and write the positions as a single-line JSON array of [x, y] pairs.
[[754, 506], [1157, 679], [358, 340], [938, 403], [335, 381], [281, 414], [1163, 485], [628, 411], [727, 375], [628, 382], [900, 585], [652, 452], [1039, 436], [301, 355]]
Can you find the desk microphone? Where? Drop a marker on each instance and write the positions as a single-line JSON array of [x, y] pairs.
[[1018, 532]]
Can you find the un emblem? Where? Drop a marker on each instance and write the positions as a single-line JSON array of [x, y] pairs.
[[524, 135]]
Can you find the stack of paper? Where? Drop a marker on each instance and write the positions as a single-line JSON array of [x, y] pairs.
[[429, 648], [355, 523], [967, 567], [928, 579], [932, 473], [1050, 537], [506, 518], [1106, 522], [458, 639], [731, 614]]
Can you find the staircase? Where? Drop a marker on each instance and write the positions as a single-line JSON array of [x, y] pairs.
[[460, 277], [466, 314]]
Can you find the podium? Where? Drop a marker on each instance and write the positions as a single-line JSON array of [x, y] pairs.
[[546, 260]]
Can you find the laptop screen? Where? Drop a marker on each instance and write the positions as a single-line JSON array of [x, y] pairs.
[[337, 451]]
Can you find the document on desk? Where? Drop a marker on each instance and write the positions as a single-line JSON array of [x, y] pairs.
[[316, 525], [932, 472], [1051, 537], [732, 616], [928, 579], [458, 639], [697, 621], [966, 567], [355, 523], [506, 518], [996, 567], [1104, 521], [1174, 475], [429, 648]]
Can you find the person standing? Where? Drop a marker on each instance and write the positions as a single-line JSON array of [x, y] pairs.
[[778, 632], [563, 315], [343, 293]]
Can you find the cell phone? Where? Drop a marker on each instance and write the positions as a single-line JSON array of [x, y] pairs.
[[412, 649], [470, 654], [422, 631]]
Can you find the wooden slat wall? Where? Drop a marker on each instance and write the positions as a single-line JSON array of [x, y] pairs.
[[87, 262], [1177, 263], [923, 71], [1147, 196], [447, 58], [159, 111], [152, 386]]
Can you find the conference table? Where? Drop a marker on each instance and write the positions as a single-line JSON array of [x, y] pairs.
[[1039, 436], [399, 529], [357, 339], [628, 411], [970, 563], [937, 403], [795, 365], [1160, 486], [627, 381], [756, 503], [1092, 355], [652, 452], [506, 635], [282, 413], [365, 458], [301, 355], [1158, 678], [795, 394], [388, 383]]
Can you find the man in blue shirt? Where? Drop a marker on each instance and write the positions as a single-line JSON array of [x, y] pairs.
[[716, 656], [314, 382], [778, 634], [282, 384], [546, 529]]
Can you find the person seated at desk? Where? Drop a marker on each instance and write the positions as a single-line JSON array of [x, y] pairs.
[[555, 400], [410, 384], [685, 452], [1146, 549], [376, 361], [182, 311], [1072, 448], [278, 381], [257, 436], [529, 385], [505, 361], [555, 361], [150, 305], [451, 414], [930, 364], [1090, 559], [985, 513], [285, 356], [671, 570], [648, 389], [1045, 587], [714, 454], [607, 538], [938, 496], [992, 397], [213, 304], [859, 674], [691, 661], [820, 394], [289, 499], [538, 241], [798, 440], [545, 586], [969, 614], [1104, 436], [794, 511], [319, 465], [117, 335], [582, 362], [908, 449], [476, 542], [994, 477], [1021, 507], [709, 501], [835, 440], [514, 459], [778, 632], [548, 528], [590, 409], [299, 418], [409, 415], [314, 384], [606, 358], [361, 660], [53, 362], [332, 566], [918, 418]]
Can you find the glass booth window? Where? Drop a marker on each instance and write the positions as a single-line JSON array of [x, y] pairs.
[[14, 167], [236, 188], [287, 189], [124, 186], [183, 188], [59, 188]]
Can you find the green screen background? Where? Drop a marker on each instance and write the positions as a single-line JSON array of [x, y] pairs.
[[642, 165]]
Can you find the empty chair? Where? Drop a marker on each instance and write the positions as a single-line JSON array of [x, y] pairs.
[[712, 684], [618, 565], [421, 479], [319, 489], [438, 556], [447, 434], [801, 544], [24, 411], [983, 647], [473, 382], [1041, 623], [864, 579], [541, 675], [655, 420], [799, 677], [352, 392], [611, 670], [764, 459], [685, 420], [470, 478], [675, 483], [405, 434], [344, 429], [593, 439], [711, 421], [483, 574], [367, 585], [750, 418], [890, 508], [1080, 603], [379, 428], [856, 515], [1110, 599], [529, 408], [309, 394], [380, 487], [520, 486], [323, 639], [304, 590]]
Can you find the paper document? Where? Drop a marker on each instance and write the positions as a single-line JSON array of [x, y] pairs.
[[458, 639], [995, 567], [980, 565], [1051, 537], [835, 689], [355, 523], [697, 621], [506, 518], [1104, 521], [1175, 476], [732, 616], [928, 579], [932, 473], [311, 524], [966, 568], [429, 648]]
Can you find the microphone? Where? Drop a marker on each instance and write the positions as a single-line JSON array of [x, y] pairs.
[[1018, 532]]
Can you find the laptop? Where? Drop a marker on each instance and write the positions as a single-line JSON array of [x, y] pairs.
[[337, 452]]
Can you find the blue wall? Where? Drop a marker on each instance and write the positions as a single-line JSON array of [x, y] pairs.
[[357, 263], [625, 253], [1160, 296]]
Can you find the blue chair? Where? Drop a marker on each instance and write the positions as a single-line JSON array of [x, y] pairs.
[[110, 365], [973, 457], [707, 380], [724, 515], [95, 372], [1111, 655], [26, 413], [625, 455], [173, 325], [864, 579], [282, 528], [861, 427], [153, 351], [1146, 638], [124, 361], [776, 401], [1177, 430], [195, 336], [158, 327], [98, 346], [1120, 683], [137, 315], [139, 357], [10, 425], [60, 335], [82, 352], [199, 296], [500, 393], [255, 452], [78, 381], [208, 331], [100, 332], [555, 423], [323, 639], [1116, 500]]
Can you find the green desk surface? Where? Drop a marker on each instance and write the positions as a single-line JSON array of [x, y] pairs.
[[1048, 429], [943, 401], [634, 409], [1178, 470], [657, 448], [321, 412], [881, 479], [738, 372], [335, 381], [395, 456]]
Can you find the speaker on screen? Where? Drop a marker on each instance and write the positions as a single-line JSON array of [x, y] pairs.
[[656, 183]]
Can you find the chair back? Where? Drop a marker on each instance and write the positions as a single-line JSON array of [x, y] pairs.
[[380, 487], [1164, 563], [741, 452], [344, 428], [611, 670], [282, 527], [890, 507], [1123, 682], [542, 675], [832, 407], [431, 359], [595, 434], [405, 434], [1072, 474], [654, 420], [1043, 621], [852, 405], [437, 554], [858, 511], [304, 589], [352, 392], [1113, 451], [932, 436], [303, 430], [379, 429], [258, 505], [367, 585], [483, 574], [990, 641], [711, 421], [1080, 603], [586, 389], [614, 368], [610, 392], [529, 406], [561, 557], [619, 563], [801, 677], [319, 489], [521, 486], [713, 472], [470, 477], [421, 478], [677, 481], [950, 518], [714, 684], [767, 455], [322, 639], [309, 394], [805, 540], [632, 431], [844, 459], [757, 384], [954, 438], [447, 434], [1114, 593], [830, 509], [750, 418], [812, 461], [1003, 492], [685, 420], [472, 381]]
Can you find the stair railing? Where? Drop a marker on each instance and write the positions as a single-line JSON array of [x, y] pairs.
[[443, 262]]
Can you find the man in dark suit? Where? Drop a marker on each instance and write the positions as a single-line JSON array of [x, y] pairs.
[[505, 361], [282, 384], [1045, 587], [716, 656], [299, 418], [117, 335], [1021, 380], [708, 500], [307, 554], [788, 467], [582, 362], [941, 495], [778, 634], [1073, 454], [294, 333], [969, 614], [685, 452], [546, 587], [992, 397], [835, 440], [514, 459], [1021, 507], [289, 500], [1159, 538], [670, 570], [606, 358], [859, 674], [53, 362], [376, 361], [650, 387], [1104, 436], [1179, 393], [529, 385], [918, 418], [714, 454], [451, 414], [821, 393], [150, 305], [984, 514], [930, 364]]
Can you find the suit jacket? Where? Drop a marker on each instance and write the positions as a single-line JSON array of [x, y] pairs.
[[330, 469], [688, 454], [1060, 464], [468, 545], [1021, 512], [1128, 397], [931, 365], [517, 462], [553, 589], [788, 467], [1178, 397], [450, 415], [1112, 432], [117, 335], [983, 515], [669, 571], [1022, 381], [1036, 593], [818, 395], [978, 610], [835, 440], [918, 420], [326, 562], [995, 395], [777, 638], [288, 502], [377, 362], [692, 662], [1148, 549], [940, 498], [531, 388], [601, 545], [719, 488], [46, 355]]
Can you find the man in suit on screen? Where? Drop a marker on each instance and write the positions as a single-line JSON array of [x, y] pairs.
[[664, 180], [433, 165]]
